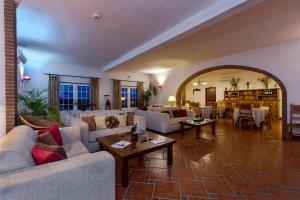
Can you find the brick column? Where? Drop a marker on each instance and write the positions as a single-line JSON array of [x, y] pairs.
[[10, 63], [2, 73]]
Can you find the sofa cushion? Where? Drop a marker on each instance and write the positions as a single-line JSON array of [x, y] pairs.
[[183, 113], [122, 119], [111, 122], [178, 119], [90, 120], [54, 130], [43, 156], [176, 113], [167, 112], [54, 148], [15, 149], [101, 133], [124, 129], [46, 138], [130, 118], [75, 149], [100, 122]]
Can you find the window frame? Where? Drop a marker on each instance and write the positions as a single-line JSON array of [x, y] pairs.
[[128, 96], [75, 95]]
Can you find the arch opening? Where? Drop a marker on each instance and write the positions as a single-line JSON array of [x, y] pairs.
[[182, 86]]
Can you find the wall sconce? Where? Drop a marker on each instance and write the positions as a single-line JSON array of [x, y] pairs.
[[160, 86], [26, 78]]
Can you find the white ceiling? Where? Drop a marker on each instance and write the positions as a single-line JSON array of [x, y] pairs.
[[64, 31], [267, 23]]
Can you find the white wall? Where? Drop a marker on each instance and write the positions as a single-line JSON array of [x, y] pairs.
[[282, 60], [2, 73], [39, 80]]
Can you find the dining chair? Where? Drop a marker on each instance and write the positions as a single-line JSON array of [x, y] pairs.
[[268, 120], [294, 125], [245, 115]]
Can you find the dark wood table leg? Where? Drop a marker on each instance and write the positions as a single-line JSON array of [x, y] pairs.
[[197, 132], [170, 154], [182, 129], [124, 173], [213, 128], [101, 147]]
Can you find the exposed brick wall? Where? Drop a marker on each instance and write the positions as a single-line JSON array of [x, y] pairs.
[[280, 83], [10, 63]]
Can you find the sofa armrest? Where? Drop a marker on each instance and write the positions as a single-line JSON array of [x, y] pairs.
[[141, 122], [88, 176], [70, 134], [158, 121], [84, 129]]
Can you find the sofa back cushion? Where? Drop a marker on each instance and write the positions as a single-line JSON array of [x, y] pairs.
[[122, 120], [111, 122], [90, 120], [167, 112], [179, 113], [15, 149], [42, 155], [54, 130], [100, 122]]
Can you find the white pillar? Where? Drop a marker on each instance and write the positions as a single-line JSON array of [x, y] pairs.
[[2, 72]]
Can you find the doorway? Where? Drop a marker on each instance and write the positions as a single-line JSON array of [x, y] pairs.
[[210, 96]]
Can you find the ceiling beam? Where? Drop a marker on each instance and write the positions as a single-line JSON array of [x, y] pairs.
[[201, 17]]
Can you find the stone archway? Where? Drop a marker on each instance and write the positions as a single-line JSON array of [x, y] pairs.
[[279, 82]]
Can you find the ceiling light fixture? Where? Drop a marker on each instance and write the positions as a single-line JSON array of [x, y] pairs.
[[96, 16], [195, 83]]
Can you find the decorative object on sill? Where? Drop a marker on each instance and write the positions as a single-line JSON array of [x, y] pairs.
[[234, 83], [35, 111], [248, 84], [196, 90], [172, 99], [107, 102], [265, 80]]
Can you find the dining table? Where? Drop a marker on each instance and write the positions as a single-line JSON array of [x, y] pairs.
[[258, 114]]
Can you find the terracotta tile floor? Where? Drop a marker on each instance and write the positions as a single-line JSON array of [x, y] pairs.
[[237, 164]]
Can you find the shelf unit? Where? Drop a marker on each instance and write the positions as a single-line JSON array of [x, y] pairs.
[[266, 97]]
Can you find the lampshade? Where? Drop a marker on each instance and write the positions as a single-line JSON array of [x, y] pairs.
[[171, 98]]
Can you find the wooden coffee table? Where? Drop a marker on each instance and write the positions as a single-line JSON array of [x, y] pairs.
[[136, 149], [197, 126]]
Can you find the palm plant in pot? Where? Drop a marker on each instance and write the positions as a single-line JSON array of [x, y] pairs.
[[35, 111], [151, 91]]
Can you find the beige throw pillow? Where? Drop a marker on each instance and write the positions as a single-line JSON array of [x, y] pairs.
[[100, 122], [122, 119]]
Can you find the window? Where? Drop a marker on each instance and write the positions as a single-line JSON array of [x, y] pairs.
[[129, 97], [71, 96]]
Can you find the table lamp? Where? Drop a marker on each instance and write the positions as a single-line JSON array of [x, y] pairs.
[[172, 99]]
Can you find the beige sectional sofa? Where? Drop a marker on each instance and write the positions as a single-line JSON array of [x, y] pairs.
[[163, 122], [81, 176], [89, 137]]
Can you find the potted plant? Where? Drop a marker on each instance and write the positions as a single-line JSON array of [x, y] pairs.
[[265, 80], [234, 83], [35, 109], [151, 91]]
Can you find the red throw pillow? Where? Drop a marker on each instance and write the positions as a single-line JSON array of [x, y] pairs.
[[42, 156], [54, 130], [183, 113]]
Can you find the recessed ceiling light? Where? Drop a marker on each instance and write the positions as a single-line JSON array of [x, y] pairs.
[[96, 15]]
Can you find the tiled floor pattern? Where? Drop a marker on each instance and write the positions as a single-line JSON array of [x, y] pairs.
[[237, 164]]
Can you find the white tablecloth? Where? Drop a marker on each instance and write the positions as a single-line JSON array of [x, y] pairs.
[[206, 111], [221, 110], [258, 114]]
